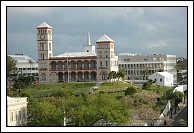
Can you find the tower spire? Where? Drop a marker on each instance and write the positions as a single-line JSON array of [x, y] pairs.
[[88, 40]]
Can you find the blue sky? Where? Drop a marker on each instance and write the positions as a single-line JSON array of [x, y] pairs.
[[160, 30]]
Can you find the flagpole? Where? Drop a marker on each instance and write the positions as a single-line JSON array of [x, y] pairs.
[[67, 68]]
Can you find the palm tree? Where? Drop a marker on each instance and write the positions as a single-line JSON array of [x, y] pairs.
[[30, 62], [144, 72]]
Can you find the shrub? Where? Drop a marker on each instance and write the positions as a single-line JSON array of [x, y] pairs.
[[130, 90], [146, 86]]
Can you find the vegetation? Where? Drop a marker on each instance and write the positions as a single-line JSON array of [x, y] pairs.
[[146, 85], [11, 67], [88, 110], [130, 90]]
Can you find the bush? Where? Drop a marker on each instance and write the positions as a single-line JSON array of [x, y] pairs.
[[146, 85], [130, 90]]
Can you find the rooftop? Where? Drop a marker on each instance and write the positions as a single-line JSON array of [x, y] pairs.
[[20, 58], [105, 38], [76, 54], [44, 25], [165, 74]]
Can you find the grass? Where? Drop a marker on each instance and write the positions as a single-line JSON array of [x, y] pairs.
[[109, 86], [53, 87], [160, 89]]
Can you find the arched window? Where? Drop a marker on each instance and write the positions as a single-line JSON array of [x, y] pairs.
[[43, 76]]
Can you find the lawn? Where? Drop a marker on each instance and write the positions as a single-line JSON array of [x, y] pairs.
[[53, 87], [160, 89], [109, 86]]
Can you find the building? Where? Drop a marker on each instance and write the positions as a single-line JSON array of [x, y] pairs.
[[140, 66], [162, 78], [90, 65], [16, 111], [26, 66]]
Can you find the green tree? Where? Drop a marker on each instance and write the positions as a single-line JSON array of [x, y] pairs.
[[19, 85], [11, 67], [94, 108], [121, 74], [145, 73], [111, 75], [30, 62], [178, 96], [130, 90], [42, 113]]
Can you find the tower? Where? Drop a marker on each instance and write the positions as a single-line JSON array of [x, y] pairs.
[[106, 59], [89, 47], [44, 42]]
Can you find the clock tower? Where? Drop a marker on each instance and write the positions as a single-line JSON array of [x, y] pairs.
[[45, 51]]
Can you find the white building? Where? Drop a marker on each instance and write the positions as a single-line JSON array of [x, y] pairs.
[[26, 66], [162, 78], [16, 111], [135, 64]]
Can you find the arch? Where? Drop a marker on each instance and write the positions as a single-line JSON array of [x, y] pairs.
[[66, 76], [73, 76], [79, 64], [79, 76], [53, 65], [53, 76], [93, 75], [65, 64], [60, 76], [86, 75], [43, 76], [73, 64], [103, 74], [92, 64], [86, 64], [60, 65]]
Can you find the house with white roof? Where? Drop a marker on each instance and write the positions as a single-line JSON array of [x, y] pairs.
[[162, 78], [93, 64]]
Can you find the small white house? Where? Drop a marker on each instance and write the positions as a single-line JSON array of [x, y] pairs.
[[162, 78]]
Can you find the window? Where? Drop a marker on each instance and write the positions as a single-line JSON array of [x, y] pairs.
[[103, 77], [19, 118], [106, 63], [16, 116], [160, 79], [24, 114], [101, 63], [11, 116]]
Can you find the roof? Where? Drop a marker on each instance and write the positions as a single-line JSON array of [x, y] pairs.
[[20, 58], [105, 38], [76, 54], [44, 25], [165, 74]]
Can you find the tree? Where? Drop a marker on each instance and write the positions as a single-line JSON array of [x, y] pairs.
[[111, 75], [142, 105], [144, 72], [121, 74], [178, 96], [30, 62], [11, 69], [95, 108], [19, 85], [11, 66], [43, 113]]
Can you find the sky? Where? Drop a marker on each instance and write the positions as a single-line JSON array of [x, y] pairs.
[[153, 30]]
